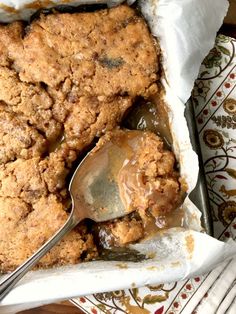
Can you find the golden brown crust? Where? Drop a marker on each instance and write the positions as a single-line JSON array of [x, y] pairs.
[[64, 80], [103, 53], [18, 140], [28, 227], [127, 231]]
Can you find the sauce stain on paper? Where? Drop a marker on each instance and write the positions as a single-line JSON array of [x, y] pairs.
[[8, 9], [32, 5], [151, 268], [189, 242], [175, 264], [122, 266], [151, 255]]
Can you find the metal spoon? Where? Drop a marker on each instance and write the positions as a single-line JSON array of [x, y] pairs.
[[95, 195]]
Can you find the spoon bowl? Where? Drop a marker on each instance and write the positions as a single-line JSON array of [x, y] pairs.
[[94, 189]]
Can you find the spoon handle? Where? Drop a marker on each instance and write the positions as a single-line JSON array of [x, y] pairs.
[[10, 281]]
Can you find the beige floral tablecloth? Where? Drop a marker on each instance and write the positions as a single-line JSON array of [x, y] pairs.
[[214, 99]]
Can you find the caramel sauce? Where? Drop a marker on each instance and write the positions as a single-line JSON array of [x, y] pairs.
[[174, 219], [189, 242], [121, 158], [122, 266], [125, 169], [119, 153], [53, 146], [39, 4], [150, 115], [35, 5]]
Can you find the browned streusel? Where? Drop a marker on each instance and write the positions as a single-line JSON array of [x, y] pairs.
[[18, 140], [64, 80], [32, 179], [30, 102], [25, 227]]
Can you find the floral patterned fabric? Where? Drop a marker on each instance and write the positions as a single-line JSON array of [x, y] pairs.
[[214, 99]]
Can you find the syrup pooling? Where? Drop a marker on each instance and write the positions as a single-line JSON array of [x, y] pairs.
[[150, 115]]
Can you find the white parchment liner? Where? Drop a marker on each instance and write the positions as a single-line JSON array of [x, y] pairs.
[[186, 30]]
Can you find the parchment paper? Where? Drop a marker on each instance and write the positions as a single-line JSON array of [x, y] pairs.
[[186, 30]]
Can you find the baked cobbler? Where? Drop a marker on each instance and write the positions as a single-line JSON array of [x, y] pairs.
[[67, 80]]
